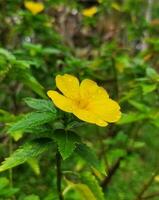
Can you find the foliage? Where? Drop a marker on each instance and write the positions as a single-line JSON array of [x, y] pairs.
[[28, 151]]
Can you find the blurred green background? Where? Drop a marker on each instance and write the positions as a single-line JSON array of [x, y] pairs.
[[115, 43]]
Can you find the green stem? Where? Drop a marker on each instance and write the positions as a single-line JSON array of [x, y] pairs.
[[59, 175]]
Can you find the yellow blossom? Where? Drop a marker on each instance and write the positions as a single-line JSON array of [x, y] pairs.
[[34, 7], [86, 100], [89, 12]]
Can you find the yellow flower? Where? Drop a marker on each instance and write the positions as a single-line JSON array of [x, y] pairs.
[[87, 100], [34, 7], [89, 12]]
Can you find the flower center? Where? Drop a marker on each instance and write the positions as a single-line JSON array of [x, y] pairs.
[[82, 104]]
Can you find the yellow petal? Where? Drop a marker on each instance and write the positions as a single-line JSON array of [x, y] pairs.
[[90, 90], [88, 116], [89, 12], [68, 85], [34, 7], [107, 110], [60, 101]]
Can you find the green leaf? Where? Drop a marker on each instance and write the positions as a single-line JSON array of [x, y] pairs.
[[3, 182], [6, 116], [66, 141], [32, 197], [32, 120], [5, 189], [17, 135], [34, 164], [92, 183], [114, 154], [32, 83], [74, 124], [51, 51], [156, 122], [151, 73], [8, 192], [147, 88], [22, 64], [30, 150], [40, 104], [52, 195], [84, 191], [139, 106], [90, 157], [138, 144], [10, 57], [39, 129], [131, 117], [88, 187]]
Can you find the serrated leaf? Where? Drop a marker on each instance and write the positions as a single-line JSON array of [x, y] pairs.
[[32, 120], [39, 129], [34, 164], [88, 187], [22, 64], [7, 55], [66, 141], [84, 190], [30, 150], [92, 183], [90, 157], [17, 135], [40, 104]]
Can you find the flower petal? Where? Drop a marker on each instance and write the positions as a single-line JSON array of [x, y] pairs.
[[107, 110], [68, 85], [61, 101], [90, 90], [89, 12], [34, 7], [87, 116]]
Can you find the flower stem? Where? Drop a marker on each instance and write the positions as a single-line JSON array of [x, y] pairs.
[[59, 175]]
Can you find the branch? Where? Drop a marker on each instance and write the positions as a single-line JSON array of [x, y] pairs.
[[146, 186], [151, 196], [111, 172], [59, 175]]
